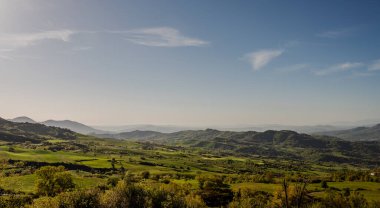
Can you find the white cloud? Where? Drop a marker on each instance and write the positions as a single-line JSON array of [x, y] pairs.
[[339, 68], [261, 58], [375, 66], [13, 41], [161, 37]]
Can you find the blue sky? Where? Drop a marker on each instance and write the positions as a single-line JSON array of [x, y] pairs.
[[193, 62]]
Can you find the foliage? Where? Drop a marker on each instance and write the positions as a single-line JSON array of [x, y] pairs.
[[336, 199], [292, 195], [250, 198], [53, 180], [324, 184], [214, 191], [125, 195]]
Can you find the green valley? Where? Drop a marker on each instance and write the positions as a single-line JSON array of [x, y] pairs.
[[253, 163]]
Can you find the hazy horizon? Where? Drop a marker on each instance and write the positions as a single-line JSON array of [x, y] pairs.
[[190, 63], [365, 122]]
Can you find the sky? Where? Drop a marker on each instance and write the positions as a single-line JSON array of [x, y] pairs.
[[198, 63]]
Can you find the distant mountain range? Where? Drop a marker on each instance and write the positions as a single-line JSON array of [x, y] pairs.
[[146, 127], [274, 144], [67, 124], [357, 134], [86, 129], [271, 143], [32, 132], [72, 125], [173, 128], [343, 132]]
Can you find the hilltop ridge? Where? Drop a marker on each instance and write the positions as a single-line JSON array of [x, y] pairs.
[[357, 134]]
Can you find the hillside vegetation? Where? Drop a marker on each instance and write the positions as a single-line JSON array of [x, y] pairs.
[[44, 166], [357, 134], [282, 144], [33, 132]]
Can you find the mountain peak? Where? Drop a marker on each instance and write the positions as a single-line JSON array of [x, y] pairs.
[[72, 125], [23, 119]]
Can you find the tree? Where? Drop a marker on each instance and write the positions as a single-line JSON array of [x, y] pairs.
[[295, 195], [11, 149], [112, 181], [357, 200], [334, 199], [214, 191], [145, 174], [324, 185], [122, 169], [53, 180], [77, 199], [250, 198], [113, 163], [346, 192], [80, 199], [125, 195], [194, 201]]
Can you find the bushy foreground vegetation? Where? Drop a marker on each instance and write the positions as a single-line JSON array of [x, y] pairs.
[[55, 188]]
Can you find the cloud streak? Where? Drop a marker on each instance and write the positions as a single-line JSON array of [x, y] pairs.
[[161, 37], [261, 58], [13, 41], [336, 33], [339, 68], [155, 36]]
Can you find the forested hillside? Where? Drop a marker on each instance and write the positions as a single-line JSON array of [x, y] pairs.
[[357, 134]]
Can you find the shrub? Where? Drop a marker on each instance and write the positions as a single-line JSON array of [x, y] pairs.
[[80, 199], [214, 191], [125, 195], [324, 184], [250, 198], [145, 174], [53, 180], [112, 181]]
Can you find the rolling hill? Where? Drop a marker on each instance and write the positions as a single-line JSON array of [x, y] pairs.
[[172, 128], [283, 144], [357, 134], [33, 132], [275, 144], [72, 125], [67, 124], [23, 119]]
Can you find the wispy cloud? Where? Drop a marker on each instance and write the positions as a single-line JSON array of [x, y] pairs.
[[375, 66], [161, 37], [336, 33], [13, 41], [261, 58], [339, 68], [10, 43]]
